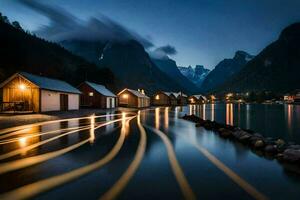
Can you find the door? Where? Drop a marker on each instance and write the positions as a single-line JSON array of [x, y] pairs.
[[112, 103], [108, 102], [64, 102]]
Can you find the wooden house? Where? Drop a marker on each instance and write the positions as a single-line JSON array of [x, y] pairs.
[[197, 99], [182, 99], [96, 96], [31, 93], [133, 98], [164, 99]]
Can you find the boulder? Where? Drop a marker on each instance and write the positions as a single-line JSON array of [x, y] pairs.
[[259, 144], [226, 133], [271, 149], [291, 155]]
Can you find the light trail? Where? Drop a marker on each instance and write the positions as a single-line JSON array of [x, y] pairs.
[[26, 162], [179, 175], [33, 189], [40, 134], [25, 149], [231, 174], [18, 128], [119, 186]]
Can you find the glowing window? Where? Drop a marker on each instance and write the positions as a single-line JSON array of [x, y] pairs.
[[91, 94], [157, 97], [125, 96]]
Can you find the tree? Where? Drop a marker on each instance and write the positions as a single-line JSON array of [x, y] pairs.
[[17, 25], [4, 19]]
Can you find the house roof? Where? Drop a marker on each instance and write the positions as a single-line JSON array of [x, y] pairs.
[[135, 93], [198, 96], [101, 89], [45, 83], [177, 94], [168, 93]]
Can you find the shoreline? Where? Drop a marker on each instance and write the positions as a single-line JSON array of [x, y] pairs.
[[286, 153]]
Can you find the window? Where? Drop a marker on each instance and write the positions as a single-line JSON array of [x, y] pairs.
[[91, 94], [157, 97]]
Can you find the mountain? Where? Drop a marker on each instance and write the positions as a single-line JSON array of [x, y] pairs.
[[224, 70], [21, 51], [276, 68], [129, 62], [169, 67], [196, 75]]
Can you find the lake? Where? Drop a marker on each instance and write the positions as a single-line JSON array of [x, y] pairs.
[[277, 121], [147, 154]]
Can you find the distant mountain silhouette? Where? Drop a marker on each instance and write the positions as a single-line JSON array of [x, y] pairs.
[[129, 61], [196, 75], [224, 70], [276, 68], [169, 67], [21, 51]]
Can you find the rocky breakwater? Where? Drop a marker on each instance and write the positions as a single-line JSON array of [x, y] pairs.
[[285, 152]]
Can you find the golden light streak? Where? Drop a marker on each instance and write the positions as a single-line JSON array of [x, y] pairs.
[[92, 130], [119, 186], [18, 151], [166, 117], [231, 174], [33, 189], [157, 117], [179, 175], [9, 131], [229, 114]]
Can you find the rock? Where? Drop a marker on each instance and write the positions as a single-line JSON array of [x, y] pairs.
[[259, 144], [226, 133], [244, 138], [295, 147], [280, 142], [291, 155], [271, 149]]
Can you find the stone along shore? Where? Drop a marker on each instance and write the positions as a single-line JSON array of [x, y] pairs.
[[287, 153]]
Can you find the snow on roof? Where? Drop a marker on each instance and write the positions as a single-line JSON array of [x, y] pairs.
[[177, 94], [101, 89], [135, 93], [50, 84], [168, 93], [198, 96]]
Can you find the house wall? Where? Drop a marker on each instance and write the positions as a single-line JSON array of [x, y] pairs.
[[50, 101], [130, 101], [73, 101], [96, 101], [162, 101], [11, 92]]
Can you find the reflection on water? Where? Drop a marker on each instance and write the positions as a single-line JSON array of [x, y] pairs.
[[92, 130], [278, 121], [157, 117], [229, 114], [166, 117]]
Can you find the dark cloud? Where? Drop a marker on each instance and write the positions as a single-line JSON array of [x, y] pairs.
[[168, 49], [64, 26], [163, 52]]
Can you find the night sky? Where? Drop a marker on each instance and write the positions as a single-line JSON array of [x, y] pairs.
[[202, 31]]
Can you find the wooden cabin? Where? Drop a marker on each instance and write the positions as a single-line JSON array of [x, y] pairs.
[[96, 96], [31, 93], [164, 99], [133, 98], [197, 99], [182, 99]]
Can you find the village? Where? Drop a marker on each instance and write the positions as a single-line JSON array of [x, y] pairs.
[[24, 93]]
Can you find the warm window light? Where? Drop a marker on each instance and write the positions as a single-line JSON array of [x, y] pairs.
[[157, 97], [91, 94], [125, 96], [22, 87]]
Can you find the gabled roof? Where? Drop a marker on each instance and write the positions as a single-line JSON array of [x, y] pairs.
[[177, 94], [168, 93], [101, 89], [135, 93], [199, 96], [45, 83]]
